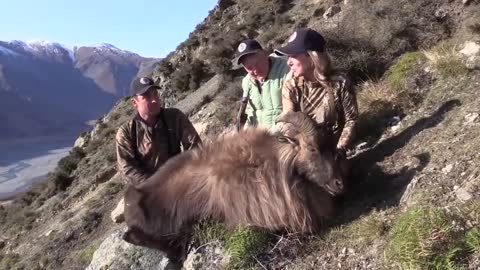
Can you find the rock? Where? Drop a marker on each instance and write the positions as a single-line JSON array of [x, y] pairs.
[[96, 129], [201, 127], [331, 11], [471, 51], [471, 117], [441, 14], [396, 128], [394, 120], [466, 2], [115, 253], [470, 48], [210, 256], [473, 62], [447, 169], [49, 232], [414, 162], [79, 142], [3, 243], [463, 194], [407, 194], [117, 214], [362, 146]]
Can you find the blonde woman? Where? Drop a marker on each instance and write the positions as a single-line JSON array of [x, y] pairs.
[[315, 89]]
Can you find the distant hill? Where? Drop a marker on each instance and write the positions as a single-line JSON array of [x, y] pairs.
[[413, 197], [48, 88]]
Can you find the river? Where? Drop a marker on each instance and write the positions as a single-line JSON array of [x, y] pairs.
[[24, 162]]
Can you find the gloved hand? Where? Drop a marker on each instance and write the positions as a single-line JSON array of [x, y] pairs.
[[340, 154], [243, 118]]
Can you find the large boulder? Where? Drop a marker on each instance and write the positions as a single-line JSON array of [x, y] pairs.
[[115, 253]]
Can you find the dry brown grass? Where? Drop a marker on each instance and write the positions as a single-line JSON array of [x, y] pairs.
[[377, 104], [372, 91], [446, 59]]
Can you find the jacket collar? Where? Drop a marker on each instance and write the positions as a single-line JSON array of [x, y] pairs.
[[158, 122]]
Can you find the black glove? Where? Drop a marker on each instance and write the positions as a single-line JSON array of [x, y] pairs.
[[243, 118], [340, 154]]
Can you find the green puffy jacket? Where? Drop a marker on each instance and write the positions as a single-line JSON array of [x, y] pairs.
[[265, 105]]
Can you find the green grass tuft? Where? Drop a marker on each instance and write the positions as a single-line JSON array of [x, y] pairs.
[[9, 262], [406, 65], [472, 240], [86, 254], [209, 230], [360, 234], [424, 238], [243, 245]]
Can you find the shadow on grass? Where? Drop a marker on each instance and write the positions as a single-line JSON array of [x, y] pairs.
[[370, 187]]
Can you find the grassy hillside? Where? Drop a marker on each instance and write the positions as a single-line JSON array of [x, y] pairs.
[[414, 197]]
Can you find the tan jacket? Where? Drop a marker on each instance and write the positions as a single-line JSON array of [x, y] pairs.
[[141, 149], [336, 107]]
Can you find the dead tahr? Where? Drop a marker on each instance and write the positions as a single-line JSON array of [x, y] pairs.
[[255, 178]]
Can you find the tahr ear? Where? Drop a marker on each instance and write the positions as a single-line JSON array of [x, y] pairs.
[[289, 140]]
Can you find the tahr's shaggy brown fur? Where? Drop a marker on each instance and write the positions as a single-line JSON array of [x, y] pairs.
[[270, 181]]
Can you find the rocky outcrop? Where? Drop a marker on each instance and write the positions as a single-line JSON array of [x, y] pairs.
[[471, 51], [117, 214], [209, 256], [116, 254], [205, 93]]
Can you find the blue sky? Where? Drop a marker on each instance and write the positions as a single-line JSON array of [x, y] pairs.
[[147, 27]]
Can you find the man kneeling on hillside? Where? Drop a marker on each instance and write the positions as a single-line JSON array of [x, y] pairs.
[[154, 135]]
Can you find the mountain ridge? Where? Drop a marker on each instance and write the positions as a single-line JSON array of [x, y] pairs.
[[47, 87]]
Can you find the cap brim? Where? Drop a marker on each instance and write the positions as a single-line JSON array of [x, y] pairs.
[[145, 89], [288, 50], [236, 60]]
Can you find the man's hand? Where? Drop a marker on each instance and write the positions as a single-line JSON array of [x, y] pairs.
[[340, 154], [243, 118]]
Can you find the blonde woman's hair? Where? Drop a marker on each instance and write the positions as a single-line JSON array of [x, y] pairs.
[[321, 64]]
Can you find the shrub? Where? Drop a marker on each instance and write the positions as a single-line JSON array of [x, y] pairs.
[[61, 180], [188, 77], [446, 59], [242, 244], [110, 151], [9, 261], [69, 163], [209, 230], [113, 188], [85, 255], [406, 65], [93, 146]]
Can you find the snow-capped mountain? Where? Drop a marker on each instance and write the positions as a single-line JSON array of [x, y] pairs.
[[47, 87]]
